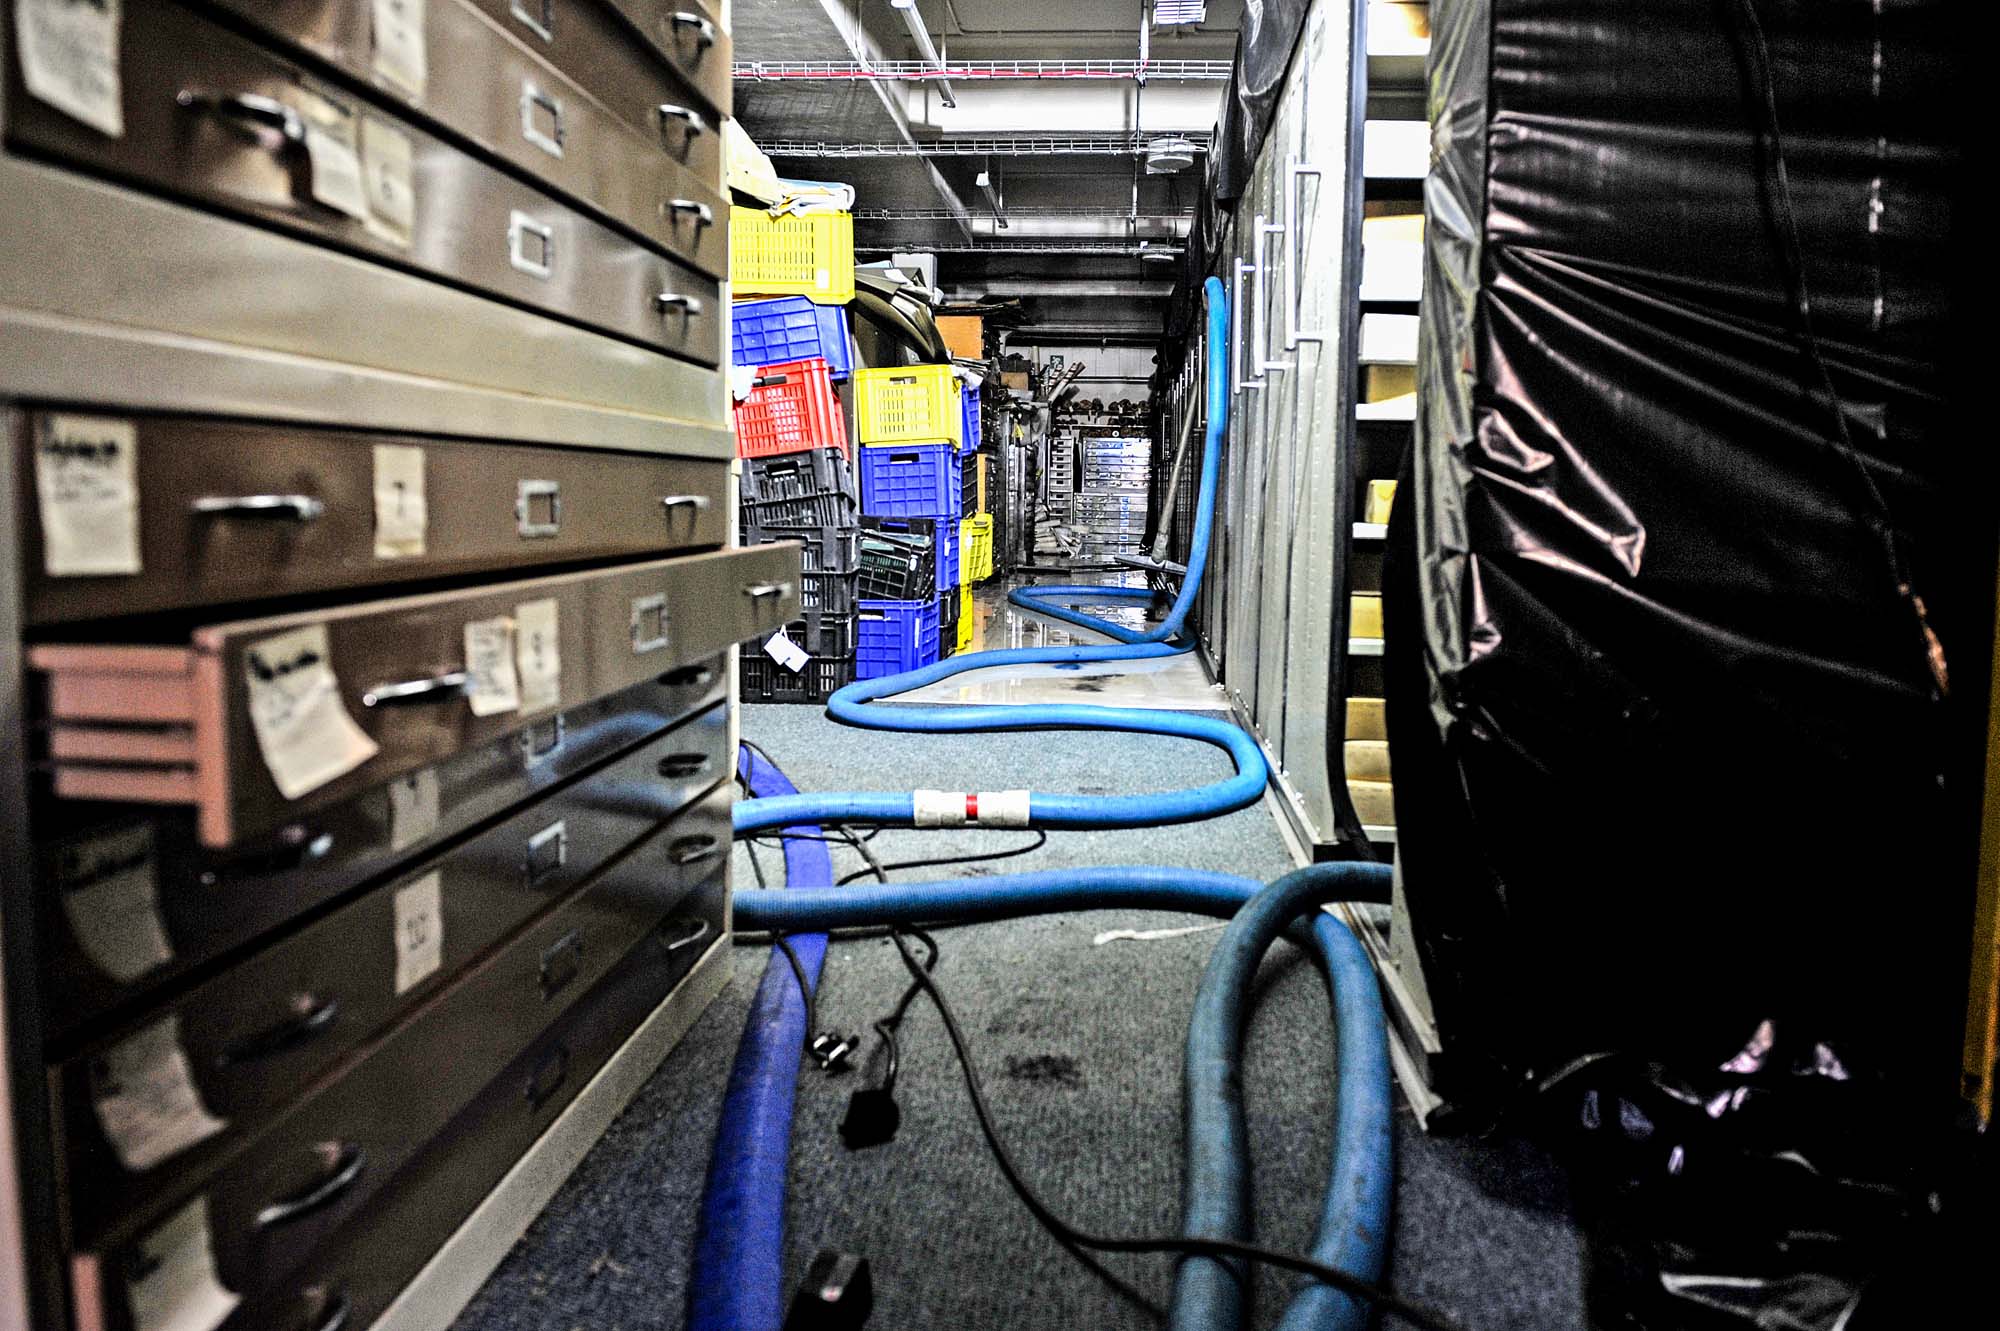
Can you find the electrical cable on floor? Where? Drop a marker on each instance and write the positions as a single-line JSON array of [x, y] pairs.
[[1040, 839], [1072, 1238]]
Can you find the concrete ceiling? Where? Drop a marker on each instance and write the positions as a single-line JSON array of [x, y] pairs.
[[931, 201]]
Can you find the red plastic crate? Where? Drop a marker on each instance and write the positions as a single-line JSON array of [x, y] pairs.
[[792, 408]]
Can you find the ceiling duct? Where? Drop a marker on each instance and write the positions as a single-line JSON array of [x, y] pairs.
[[1165, 157], [1167, 13]]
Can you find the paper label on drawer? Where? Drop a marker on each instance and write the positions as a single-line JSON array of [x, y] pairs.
[[402, 513], [146, 1101], [87, 481], [333, 150], [400, 57], [69, 58], [489, 657], [387, 158], [419, 930], [413, 808], [538, 654], [172, 1284], [785, 652], [111, 897], [302, 726]]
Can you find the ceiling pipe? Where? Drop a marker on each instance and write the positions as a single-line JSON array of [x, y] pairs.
[[992, 191], [921, 35]]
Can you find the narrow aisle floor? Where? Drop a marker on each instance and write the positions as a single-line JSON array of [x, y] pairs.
[[1079, 1041]]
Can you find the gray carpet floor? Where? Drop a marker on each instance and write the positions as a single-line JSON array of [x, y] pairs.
[[1080, 1048]]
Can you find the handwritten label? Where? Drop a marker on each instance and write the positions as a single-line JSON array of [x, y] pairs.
[[489, 657], [388, 173], [333, 150], [413, 809], [173, 1285], [144, 1093], [400, 57], [419, 930], [69, 58], [785, 652], [87, 482], [302, 726], [402, 513], [538, 654], [111, 898]]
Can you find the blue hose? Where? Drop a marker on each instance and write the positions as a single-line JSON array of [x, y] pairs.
[[1354, 1220], [1062, 812], [737, 1281]]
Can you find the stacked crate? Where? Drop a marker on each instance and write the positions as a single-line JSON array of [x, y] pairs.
[[911, 421], [799, 484]]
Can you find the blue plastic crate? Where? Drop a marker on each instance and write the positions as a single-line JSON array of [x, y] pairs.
[[895, 636], [969, 437], [910, 480], [947, 558], [789, 328]]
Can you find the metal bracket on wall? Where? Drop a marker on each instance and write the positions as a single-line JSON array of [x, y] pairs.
[[1236, 380], [1259, 304], [1296, 171]]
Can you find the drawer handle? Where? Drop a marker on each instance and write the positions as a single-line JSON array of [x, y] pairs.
[[447, 687], [701, 929], [695, 849], [347, 1168], [681, 766], [549, 140], [687, 115], [687, 677], [313, 1019], [292, 508], [703, 214], [531, 246], [548, 1076], [537, 16], [764, 591], [689, 306], [704, 31], [562, 962], [247, 110], [547, 851], [699, 503]]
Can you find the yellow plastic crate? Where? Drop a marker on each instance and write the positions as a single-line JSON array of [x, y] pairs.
[[975, 549], [909, 404], [964, 617], [810, 256]]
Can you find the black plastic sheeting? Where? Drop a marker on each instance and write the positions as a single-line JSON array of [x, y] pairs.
[[1689, 640]]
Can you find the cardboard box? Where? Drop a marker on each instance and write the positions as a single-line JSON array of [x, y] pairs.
[[1379, 383], [1364, 719], [1364, 616], [1368, 759], [1381, 497], [1374, 802], [1018, 379], [964, 335]]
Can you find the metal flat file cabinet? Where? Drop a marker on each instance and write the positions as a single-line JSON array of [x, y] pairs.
[[366, 622]]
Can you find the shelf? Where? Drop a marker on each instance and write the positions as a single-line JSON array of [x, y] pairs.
[[1371, 531], [1364, 646], [1388, 339], [1395, 149], [1395, 409], [1375, 832]]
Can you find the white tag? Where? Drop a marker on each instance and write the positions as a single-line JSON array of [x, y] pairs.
[[175, 1287], [400, 58], [69, 58], [489, 657], [333, 149], [387, 172], [303, 729], [87, 478], [144, 1093], [402, 514], [413, 808], [419, 930], [111, 898], [785, 652], [538, 654]]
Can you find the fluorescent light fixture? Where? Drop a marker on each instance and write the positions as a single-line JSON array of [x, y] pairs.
[[1167, 13]]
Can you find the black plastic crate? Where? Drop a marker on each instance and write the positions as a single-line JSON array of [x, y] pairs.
[[898, 558], [823, 635], [828, 549], [821, 510], [818, 471], [829, 593], [764, 680]]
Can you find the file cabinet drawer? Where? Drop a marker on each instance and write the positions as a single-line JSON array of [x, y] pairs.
[[274, 1193], [254, 1036], [467, 76], [220, 511], [687, 35], [212, 117], [382, 1250], [259, 722], [621, 64], [138, 903]]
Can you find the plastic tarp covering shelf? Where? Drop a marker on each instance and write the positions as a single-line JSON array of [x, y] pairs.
[[1688, 641]]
